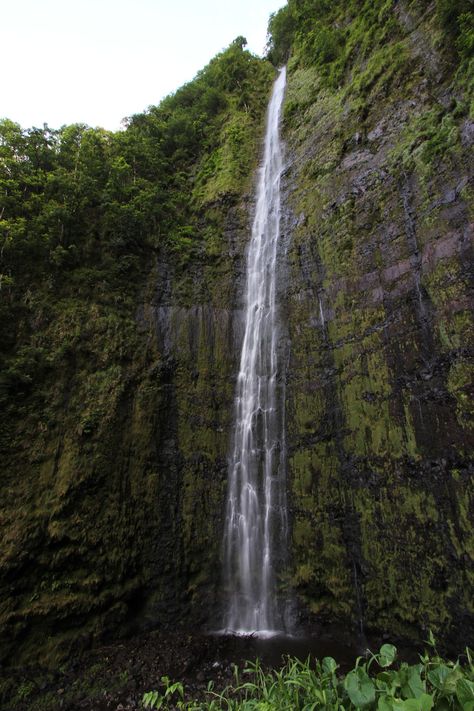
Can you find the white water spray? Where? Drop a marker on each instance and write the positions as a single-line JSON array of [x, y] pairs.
[[255, 530]]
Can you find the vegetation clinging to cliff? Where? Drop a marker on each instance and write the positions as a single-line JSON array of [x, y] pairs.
[[378, 120], [336, 36]]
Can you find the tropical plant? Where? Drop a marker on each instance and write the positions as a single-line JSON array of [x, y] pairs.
[[376, 683]]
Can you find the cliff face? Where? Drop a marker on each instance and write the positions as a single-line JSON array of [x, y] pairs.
[[379, 308], [118, 373], [116, 430], [113, 485]]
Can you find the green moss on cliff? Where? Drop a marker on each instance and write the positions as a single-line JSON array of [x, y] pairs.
[[117, 360], [378, 131]]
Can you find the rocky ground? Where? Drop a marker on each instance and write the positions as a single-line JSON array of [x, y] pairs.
[[116, 676]]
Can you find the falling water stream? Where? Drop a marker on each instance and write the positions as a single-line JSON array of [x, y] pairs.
[[255, 529]]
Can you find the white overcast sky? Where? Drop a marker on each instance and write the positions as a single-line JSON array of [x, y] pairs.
[[97, 61]]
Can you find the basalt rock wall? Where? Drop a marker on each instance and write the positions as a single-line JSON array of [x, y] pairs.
[[121, 328], [113, 488], [379, 309]]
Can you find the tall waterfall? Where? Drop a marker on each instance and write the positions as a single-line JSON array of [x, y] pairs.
[[256, 506]]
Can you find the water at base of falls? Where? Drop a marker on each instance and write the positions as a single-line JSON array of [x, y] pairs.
[[338, 643], [255, 529]]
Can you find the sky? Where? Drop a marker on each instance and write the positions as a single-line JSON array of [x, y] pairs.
[[98, 61]]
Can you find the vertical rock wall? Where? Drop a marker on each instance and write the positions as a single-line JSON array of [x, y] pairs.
[[113, 488], [379, 303]]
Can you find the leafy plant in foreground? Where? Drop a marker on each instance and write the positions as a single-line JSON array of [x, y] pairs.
[[155, 700], [375, 684]]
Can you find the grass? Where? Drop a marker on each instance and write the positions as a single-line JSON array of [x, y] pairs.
[[377, 682]]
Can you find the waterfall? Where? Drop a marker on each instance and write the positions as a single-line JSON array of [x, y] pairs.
[[255, 528]]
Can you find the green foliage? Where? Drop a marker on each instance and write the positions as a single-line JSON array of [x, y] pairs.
[[375, 684], [155, 700], [281, 29], [334, 37], [465, 38], [306, 27], [321, 45], [362, 53], [90, 222], [450, 12], [465, 47], [383, 67], [223, 170], [360, 688], [426, 139], [337, 37], [387, 655], [80, 195]]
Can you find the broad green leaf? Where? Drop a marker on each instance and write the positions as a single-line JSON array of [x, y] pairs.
[[438, 676], [414, 685], [387, 655], [385, 703], [423, 703], [426, 701], [359, 687], [445, 678], [329, 665], [465, 692], [410, 705]]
